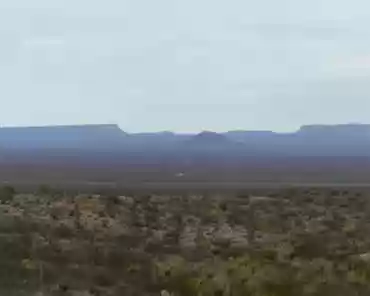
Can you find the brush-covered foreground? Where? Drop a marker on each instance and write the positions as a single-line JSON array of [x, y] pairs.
[[287, 243]]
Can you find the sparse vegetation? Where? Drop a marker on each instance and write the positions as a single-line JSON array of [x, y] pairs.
[[289, 242]]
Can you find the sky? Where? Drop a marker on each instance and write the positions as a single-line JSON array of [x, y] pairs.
[[185, 65]]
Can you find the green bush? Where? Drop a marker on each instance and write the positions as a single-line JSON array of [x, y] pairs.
[[7, 193]]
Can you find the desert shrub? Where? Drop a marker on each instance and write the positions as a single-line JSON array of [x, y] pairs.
[[7, 193], [45, 191], [63, 232]]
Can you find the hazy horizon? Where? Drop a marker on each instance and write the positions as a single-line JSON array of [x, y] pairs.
[[184, 65], [169, 130]]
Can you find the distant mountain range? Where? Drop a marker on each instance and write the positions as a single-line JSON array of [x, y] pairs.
[[106, 152], [312, 140]]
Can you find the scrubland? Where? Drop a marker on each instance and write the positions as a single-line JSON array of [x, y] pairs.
[[285, 242]]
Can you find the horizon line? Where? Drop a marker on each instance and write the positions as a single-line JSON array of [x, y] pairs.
[[115, 125]]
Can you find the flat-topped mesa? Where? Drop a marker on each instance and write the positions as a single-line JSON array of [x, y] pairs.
[[62, 136], [66, 126], [60, 128], [344, 129]]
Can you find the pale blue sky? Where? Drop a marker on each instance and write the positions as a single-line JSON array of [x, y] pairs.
[[185, 65]]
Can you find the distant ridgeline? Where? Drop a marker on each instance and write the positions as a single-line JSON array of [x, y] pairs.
[[348, 139], [108, 141]]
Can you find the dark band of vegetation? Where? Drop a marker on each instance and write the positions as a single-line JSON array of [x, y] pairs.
[[290, 242]]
